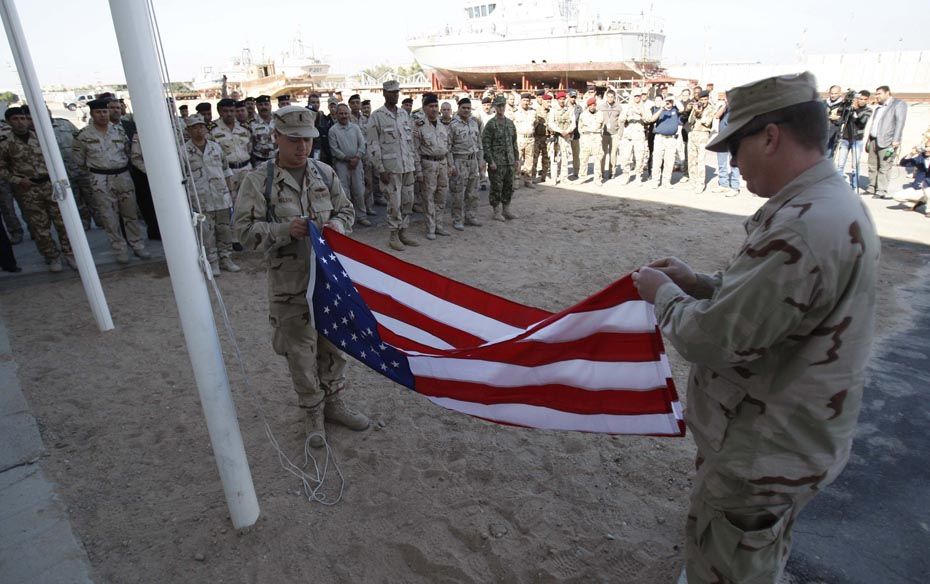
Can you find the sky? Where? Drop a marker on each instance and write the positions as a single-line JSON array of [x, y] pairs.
[[73, 43]]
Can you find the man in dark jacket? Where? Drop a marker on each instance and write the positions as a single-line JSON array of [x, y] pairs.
[[852, 132]]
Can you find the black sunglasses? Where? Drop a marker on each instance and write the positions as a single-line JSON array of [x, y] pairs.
[[753, 129]]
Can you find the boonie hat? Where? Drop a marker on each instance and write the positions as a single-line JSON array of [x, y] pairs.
[[392, 85], [761, 97], [296, 122], [194, 120]]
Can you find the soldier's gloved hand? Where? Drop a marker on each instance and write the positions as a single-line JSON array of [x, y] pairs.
[[298, 228], [680, 272], [648, 281]]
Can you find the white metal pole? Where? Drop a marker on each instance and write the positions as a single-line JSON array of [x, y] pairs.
[[61, 188], [134, 33]]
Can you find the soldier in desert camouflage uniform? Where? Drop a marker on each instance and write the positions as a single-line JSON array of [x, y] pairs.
[[465, 135], [433, 163], [301, 190], [778, 340], [541, 138], [524, 119]]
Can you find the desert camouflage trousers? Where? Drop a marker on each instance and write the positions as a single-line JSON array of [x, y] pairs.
[[41, 211], [115, 201], [463, 187], [738, 532], [317, 368], [435, 187]]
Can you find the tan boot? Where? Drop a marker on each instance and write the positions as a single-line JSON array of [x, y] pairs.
[[497, 214], [229, 265], [507, 214], [337, 411], [406, 239], [395, 242], [122, 256], [314, 426], [55, 265], [215, 268], [441, 231], [473, 222]]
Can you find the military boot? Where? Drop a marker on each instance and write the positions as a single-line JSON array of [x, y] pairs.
[[215, 268], [229, 265], [497, 214], [395, 242], [314, 426], [142, 253], [507, 214], [122, 256], [473, 221], [69, 259], [337, 411], [441, 231], [55, 265], [405, 239]]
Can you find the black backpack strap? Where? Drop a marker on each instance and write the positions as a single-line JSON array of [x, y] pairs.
[[269, 183]]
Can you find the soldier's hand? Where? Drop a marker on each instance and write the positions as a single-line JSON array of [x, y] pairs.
[[298, 228], [385, 177], [493, 166], [680, 272], [648, 281]]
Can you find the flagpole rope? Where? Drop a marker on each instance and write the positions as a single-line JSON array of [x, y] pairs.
[[312, 482]]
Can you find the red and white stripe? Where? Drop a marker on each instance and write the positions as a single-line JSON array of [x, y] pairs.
[[598, 366]]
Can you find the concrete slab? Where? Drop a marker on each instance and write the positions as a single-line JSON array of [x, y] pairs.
[[19, 433]]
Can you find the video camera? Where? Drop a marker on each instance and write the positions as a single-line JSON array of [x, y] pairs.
[[849, 97]]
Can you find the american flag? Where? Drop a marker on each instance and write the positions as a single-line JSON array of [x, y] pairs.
[[598, 366]]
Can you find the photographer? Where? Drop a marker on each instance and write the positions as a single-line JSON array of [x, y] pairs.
[[852, 133], [915, 193], [836, 105]]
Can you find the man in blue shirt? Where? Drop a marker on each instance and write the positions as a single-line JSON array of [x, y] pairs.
[[667, 121]]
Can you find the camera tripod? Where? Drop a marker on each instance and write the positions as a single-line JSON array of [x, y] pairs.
[[851, 143]]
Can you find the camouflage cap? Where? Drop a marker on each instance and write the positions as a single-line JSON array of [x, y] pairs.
[[392, 85], [194, 120], [499, 100], [296, 122], [761, 97]]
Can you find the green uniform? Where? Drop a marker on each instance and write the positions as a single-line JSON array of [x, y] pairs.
[[779, 341], [499, 144]]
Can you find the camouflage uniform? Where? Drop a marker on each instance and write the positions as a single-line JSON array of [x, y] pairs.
[[591, 128], [105, 156], [525, 122], [779, 343], [22, 160], [237, 146], [210, 171], [390, 146], [80, 184], [264, 147], [433, 148], [499, 145], [7, 201], [633, 141], [465, 138], [541, 139], [317, 368], [561, 121], [613, 133], [699, 130]]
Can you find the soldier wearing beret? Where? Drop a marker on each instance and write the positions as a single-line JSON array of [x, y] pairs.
[[499, 145], [524, 119], [236, 142], [562, 126], [778, 340], [284, 100], [262, 127], [591, 129], [205, 109], [541, 136], [302, 190], [433, 163], [465, 138]]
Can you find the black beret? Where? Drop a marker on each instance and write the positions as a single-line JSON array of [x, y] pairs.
[[284, 97], [407, 100], [183, 107], [226, 102], [704, 93], [263, 99], [204, 106], [240, 103], [25, 109], [248, 99], [526, 96], [540, 92], [98, 104], [464, 100], [366, 102], [354, 96], [429, 98], [486, 100], [12, 111]]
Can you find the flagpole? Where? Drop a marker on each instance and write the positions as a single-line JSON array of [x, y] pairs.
[[61, 187], [134, 33]]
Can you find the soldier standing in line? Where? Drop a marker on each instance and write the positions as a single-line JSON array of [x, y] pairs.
[[524, 119], [541, 138], [212, 178], [700, 124], [445, 113], [434, 164], [250, 109], [205, 109], [102, 149], [499, 145], [284, 100], [778, 341], [278, 227], [242, 114], [80, 185], [633, 140], [264, 147], [390, 145], [407, 105], [576, 136], [484, 115], [23, 166], [465, 138], [183, 112], [591, 128], [348, 148], [373, 196], [562, 126], [613, 130], [7, 200], [236, 142]]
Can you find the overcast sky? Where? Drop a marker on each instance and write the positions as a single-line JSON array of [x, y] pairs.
[[73, 43]]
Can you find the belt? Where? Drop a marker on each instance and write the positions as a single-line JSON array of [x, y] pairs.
[[238, 165], [433, 158], [38, 180], [109, 171], [259, 159], [628, 122], [471, 156], [591, 132], [530, 135]]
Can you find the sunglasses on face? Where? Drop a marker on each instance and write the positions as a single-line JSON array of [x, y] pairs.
[[752, 130]]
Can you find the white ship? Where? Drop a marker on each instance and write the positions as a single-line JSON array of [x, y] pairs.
[[531, 42]]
